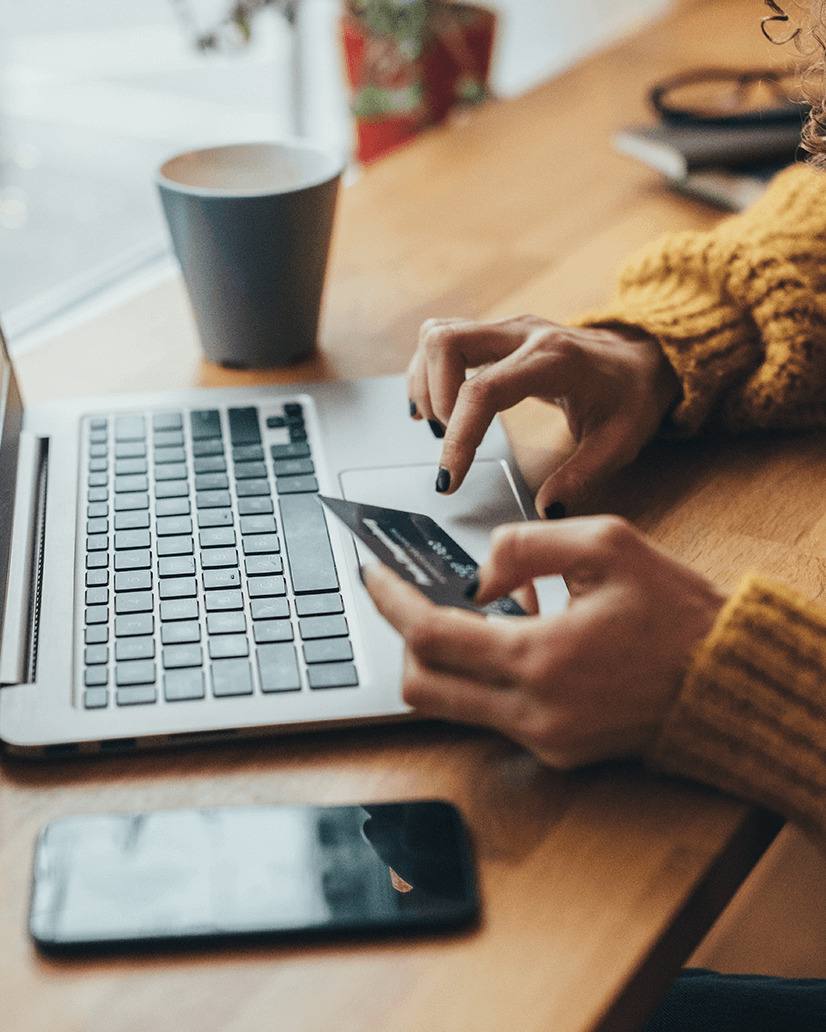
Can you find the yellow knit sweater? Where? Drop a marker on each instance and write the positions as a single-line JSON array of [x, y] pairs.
[[740, 313]]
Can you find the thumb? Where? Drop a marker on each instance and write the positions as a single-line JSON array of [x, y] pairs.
[[598, 454], [522, 551]]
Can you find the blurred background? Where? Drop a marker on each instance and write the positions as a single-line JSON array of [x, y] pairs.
[[95, 94]]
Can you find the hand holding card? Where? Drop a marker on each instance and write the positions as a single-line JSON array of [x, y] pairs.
[[419, 551]]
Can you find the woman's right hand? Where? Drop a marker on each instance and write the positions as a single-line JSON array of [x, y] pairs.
[[614, 386]]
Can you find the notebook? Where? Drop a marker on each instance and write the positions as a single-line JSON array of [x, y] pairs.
[[170, 576]]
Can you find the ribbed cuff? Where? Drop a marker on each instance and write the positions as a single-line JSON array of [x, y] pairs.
[[750, 717]]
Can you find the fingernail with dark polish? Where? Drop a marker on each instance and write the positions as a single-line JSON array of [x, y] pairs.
[[471, 588], [442, 480], [413, 410], [437, 429], [555, 511]]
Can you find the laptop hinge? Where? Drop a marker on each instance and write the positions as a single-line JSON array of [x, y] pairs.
[[18, 646]]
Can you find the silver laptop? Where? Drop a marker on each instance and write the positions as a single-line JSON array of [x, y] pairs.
[[170, 576]]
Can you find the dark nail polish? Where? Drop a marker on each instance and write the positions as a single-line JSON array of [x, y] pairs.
[[437, 429], [442, 480], [555, 511], [471, 588], [413, 410]]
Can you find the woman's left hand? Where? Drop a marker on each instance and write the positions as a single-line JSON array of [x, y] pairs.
[[591, 683]]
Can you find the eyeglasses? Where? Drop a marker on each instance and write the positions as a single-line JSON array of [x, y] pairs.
[[728, 97]]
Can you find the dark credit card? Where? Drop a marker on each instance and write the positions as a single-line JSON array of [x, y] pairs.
[[419, 551]]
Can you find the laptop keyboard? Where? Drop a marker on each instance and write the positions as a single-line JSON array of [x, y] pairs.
[[208, 566]]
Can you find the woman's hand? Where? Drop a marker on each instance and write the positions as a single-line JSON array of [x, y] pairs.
[[591, 683], [614, 387]]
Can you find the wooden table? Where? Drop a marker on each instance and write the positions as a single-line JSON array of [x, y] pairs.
[[596, 885]]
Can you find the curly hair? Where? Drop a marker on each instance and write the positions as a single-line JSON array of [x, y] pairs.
[[809, 36]]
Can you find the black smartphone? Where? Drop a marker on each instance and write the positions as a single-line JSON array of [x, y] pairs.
[[197, 877]]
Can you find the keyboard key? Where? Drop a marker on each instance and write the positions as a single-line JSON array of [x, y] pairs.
[[135, 559], [255, 505], [97, 614], [167, 526], [215, 518], [142, 647], [171, 471], [97, 494], [252, 488], [210, 464], [171, 489], [98, 479], [224, 578], [97, 542], [172, 507], [182, 684], [125, 539], [130, 449], [243, 426], [211, 481], [179, 609], [231, 677], [257, 525], [273, 630], [96, 634], [129, 467], [134, 602], [295, 485], [127, 485], [278, 667], [177, 544], [307, 544], [176, 566], [216, 601], [94, 654], [175, 656], [168, 439], [95, 698], [263, 565], [95, 509], [204, 423], [95, 676], [97, 526], [226, 622], [265, 587], [293, 467], [132, 500], [180, 633], [98, 451], [257, 544], [213, 500], [133, 519], [215, 557], [136, 695], [97, 560], [98, 596], [134, 624], [96, 578], [207, 447], [226, 646], [98, 423], [322, 627], [135, 671], [247, 453], [332, 675], [163, 456], [130, 428], [216, 537], [319, 605], [178, 587], [328, 650], [269, 608], [294, 450], [133, 580], [167, 421], [250, 470]]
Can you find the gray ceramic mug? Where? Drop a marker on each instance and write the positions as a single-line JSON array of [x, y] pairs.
[[251, 227]]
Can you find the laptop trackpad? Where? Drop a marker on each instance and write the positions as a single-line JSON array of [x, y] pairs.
[[486, 498]]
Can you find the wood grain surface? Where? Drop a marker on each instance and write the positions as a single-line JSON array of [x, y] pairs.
[[595, 885]]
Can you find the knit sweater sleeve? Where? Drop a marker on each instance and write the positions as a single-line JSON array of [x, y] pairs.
[[740, 310], [750, 717]]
